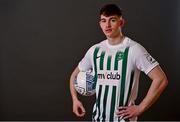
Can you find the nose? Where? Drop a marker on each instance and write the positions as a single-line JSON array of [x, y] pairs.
[[108, 24]]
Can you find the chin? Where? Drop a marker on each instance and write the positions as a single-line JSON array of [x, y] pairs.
[[108, 35]]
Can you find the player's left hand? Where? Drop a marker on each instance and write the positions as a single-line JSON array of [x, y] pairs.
[[127, 112]]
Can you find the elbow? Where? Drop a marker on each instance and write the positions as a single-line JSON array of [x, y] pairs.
[[165, 82]]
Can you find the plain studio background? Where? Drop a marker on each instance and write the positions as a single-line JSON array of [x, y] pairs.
[[42, 41]]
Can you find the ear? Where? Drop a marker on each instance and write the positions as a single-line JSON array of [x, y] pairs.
[[122, 22]]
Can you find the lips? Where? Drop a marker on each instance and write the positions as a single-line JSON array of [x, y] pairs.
[[108, 30]]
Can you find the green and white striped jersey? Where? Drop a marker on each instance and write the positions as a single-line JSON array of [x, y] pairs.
[[116, 70]]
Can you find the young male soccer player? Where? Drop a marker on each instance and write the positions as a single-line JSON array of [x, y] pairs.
[[116, 64]]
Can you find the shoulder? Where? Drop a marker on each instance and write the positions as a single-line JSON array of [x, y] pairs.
[[95, 46], [135, 46], [98, 45]]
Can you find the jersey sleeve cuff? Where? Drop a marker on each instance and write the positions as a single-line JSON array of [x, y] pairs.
[[150, 68]]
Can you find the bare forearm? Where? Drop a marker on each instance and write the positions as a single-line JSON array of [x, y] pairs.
[[72, 89], [78, 108], [155, 90]]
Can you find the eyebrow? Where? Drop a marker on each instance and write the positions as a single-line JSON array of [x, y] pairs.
[[102, 19], [113, 17]]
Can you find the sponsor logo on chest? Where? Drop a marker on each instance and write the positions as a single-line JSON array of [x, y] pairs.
[[109, 76]]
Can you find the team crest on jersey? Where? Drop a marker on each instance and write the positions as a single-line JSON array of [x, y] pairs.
[[120, 55], [150, 59]]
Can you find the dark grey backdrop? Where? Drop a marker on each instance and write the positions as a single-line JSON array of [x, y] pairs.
[[41, 41]]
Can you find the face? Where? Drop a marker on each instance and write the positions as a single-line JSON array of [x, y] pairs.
[[111, 25]]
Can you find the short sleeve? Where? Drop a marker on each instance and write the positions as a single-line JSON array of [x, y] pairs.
[[143, 60], [86, 63]]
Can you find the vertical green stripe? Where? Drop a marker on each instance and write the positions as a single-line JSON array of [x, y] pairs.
[[109, 63], [98, 101], [113, 99], [95, 65], [124, 68], [102, 60], [119, 56], [130, 87], [116, 61], [104, 102], [95, 75]]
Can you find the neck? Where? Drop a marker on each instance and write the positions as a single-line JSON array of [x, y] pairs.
[[116, 40]]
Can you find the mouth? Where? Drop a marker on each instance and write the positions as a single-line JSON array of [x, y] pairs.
[[108, 30]]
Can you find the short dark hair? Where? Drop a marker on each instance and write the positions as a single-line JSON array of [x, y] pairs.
[[110, 9]]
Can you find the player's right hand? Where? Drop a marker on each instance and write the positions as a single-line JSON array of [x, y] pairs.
[[78, 108]]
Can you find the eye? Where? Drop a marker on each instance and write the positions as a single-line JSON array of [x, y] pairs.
[[113, 20], [102, 20]]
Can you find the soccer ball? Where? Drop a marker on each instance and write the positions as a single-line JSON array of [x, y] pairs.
[[84, 84]]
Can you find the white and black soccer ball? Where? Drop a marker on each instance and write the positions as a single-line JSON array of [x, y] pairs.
[[84, 84]]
